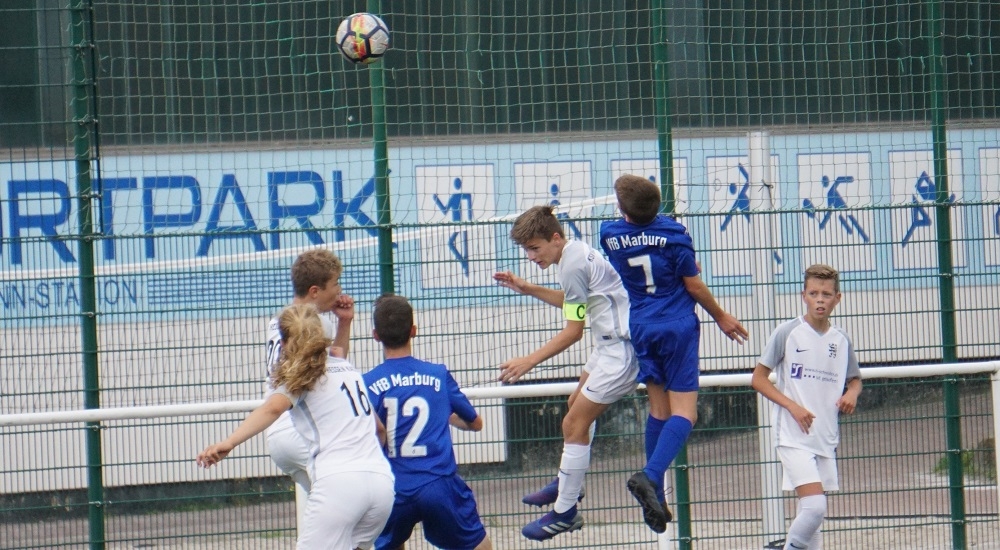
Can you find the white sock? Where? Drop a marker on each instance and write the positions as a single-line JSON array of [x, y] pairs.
[[816, 543], [572, 469], [807, 521]]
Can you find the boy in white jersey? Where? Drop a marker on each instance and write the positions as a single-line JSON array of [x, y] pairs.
[[814, 361], [590, 287], [352, 482], [315, 276]]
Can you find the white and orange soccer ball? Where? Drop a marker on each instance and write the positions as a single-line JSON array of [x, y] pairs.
[[363, 37]]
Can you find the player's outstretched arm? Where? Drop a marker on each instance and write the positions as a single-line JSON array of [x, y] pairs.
[[255, 422], [728, 324], [763, 385], [552, 296], [513, 370]]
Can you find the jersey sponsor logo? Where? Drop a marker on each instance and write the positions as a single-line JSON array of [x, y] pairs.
[[797, 370]]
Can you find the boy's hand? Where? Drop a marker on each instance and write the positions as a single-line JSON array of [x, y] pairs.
[[513, 370], [731, 327], [848, 402], [507, 279], [802, 416], [213, 454], [343, 309]]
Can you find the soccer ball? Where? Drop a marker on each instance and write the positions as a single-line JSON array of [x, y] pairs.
[[363, 37]]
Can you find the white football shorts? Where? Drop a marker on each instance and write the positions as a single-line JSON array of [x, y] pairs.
[[346, 510], [612, 370], [799, 467]]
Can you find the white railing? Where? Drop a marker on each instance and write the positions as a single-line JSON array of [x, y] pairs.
[[772, 513]]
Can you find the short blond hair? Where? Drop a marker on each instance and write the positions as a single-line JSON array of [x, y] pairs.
[[822, 272], [314, 267]]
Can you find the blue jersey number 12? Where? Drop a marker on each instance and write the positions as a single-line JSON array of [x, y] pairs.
[[414, 406]]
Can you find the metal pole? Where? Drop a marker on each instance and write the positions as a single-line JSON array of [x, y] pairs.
[[84, 125], [946, 286], [761, 199], [381, 151], [661, 92], [664, 139], [956, 485], [995, 387], [683, 492], [939, 137]]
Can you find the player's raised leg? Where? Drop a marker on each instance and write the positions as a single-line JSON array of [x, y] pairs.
[[573, 468]]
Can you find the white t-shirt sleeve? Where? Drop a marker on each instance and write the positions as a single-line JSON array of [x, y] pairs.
[[573, 276], [329, 324], [282, 390], [774, 350], [853, 368]]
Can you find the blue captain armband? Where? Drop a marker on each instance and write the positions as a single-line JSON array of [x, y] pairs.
[[574, 312]]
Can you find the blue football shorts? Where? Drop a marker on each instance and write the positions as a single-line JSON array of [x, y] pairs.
[[447, 508], [668, 352]]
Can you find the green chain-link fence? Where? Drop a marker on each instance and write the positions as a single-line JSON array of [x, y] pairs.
[[161, 164]]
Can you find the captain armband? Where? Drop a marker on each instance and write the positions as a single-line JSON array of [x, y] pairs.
[[575, 312]]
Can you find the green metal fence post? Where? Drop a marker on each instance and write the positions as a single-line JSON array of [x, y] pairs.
[[381, 150], [939, 137], [946, 285], [956, 485], [664, 138], [682, 486], [661, 100], [84, 124]]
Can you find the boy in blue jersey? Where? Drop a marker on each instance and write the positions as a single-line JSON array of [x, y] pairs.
[[417, 401], [655, 257]]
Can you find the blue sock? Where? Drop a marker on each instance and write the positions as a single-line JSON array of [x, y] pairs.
[[653, 428], [675, 433]]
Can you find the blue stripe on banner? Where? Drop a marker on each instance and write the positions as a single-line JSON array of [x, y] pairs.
[[219, 288], [222, 289]]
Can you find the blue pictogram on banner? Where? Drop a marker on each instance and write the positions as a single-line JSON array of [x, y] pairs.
[[834, 200], [564, 217], [926, 190], [458, 243]]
